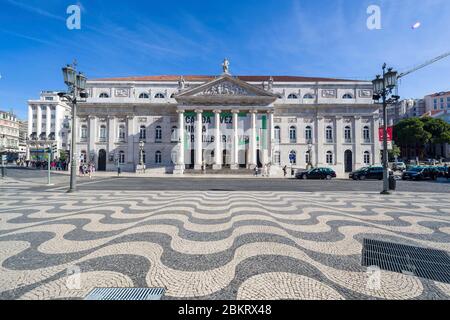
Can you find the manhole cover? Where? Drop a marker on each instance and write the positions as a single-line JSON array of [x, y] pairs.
[[421, 262], [133, 294]]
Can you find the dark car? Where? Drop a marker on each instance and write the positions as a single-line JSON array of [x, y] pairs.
[[420, 173], [375, 173], [442, 171], [317, 173]]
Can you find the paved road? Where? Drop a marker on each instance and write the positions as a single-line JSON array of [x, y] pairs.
[[214, 245], [36, 180]]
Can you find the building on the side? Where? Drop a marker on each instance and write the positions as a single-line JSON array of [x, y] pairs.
[[9, 135], [438, 106], [404, 109], [437, 101], [23, 140], [227, 122], [48, 123]]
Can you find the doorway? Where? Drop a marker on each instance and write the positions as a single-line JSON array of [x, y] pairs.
[[102, 160], [348, 159]]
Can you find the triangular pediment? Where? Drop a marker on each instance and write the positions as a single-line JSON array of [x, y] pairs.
[[226, 87]]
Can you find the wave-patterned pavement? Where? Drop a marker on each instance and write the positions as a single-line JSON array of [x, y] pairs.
[[209, 245]]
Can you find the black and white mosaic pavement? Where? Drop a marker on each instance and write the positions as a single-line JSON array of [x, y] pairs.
[[209, 245]]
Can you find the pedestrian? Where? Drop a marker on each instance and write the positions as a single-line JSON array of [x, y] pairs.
[[285, 171]]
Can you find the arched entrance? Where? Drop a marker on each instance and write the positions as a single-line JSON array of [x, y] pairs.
[[348, 159], [101, 160], [226, 159]]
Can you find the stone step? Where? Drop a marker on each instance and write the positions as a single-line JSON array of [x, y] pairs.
[[221, 172]]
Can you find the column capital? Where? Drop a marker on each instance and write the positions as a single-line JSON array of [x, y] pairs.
[[339, 117], [91, 117], [198, 111], [357, 117], [180, 111], [253, 111], [234, 111], [217, 111], [270, 111]]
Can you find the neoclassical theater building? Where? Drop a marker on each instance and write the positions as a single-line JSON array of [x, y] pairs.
[[175, 124]]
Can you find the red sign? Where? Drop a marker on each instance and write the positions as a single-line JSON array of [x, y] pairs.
[[390, 131]]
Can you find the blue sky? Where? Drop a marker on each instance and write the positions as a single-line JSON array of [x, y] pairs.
[[326, 38]]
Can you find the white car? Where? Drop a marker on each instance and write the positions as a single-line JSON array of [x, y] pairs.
[[399, 166]]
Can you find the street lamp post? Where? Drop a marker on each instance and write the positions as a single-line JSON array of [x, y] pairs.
[[309, 156], [383, 87], [77, 86], [141, 155]]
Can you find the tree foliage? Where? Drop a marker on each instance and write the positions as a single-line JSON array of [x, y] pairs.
[[411, 131], [421, 132]]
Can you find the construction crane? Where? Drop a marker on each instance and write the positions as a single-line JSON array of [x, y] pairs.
[[423, 65]]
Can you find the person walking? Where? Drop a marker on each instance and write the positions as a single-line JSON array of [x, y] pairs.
[[91, 170], [285, 171]]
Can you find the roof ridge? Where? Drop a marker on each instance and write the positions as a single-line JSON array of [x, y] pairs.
[[280, 78]]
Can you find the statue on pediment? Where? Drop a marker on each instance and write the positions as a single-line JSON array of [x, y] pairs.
[[181, 83], [270, 85], [226, 66]]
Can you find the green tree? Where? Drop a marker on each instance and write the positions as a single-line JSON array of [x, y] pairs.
[[411, 131], [62, 155], [421, 132], [438, 128], [395, 152]]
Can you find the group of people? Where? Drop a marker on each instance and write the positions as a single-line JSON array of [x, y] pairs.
[[87, 169], [57, 164], [264, 171]]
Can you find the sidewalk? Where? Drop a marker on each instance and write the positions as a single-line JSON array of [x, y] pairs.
[[110, 174]]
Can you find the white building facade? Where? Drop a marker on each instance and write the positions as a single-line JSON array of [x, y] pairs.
[[248, 121], [9, 134], [48, 123]]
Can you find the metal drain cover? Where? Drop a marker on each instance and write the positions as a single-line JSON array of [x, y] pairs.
[[133, 294], [421, 262]]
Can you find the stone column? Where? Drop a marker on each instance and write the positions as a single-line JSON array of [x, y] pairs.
[[30, 121], [218, 142], [48, 120], [39, 121], [130, 140], [111, 134], [92, 137], [253, 141], [357, 138], [270, 136], [339, 142], [235, 148], [320, 141], [181, 166], [376, 150], [198, 140]]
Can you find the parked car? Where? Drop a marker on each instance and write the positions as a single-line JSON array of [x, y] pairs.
[[441, 171], [369, 173], [420, 173], [399, 166], [317, 173]]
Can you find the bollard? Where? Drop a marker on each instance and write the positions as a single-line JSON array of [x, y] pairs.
[[392, 183]]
